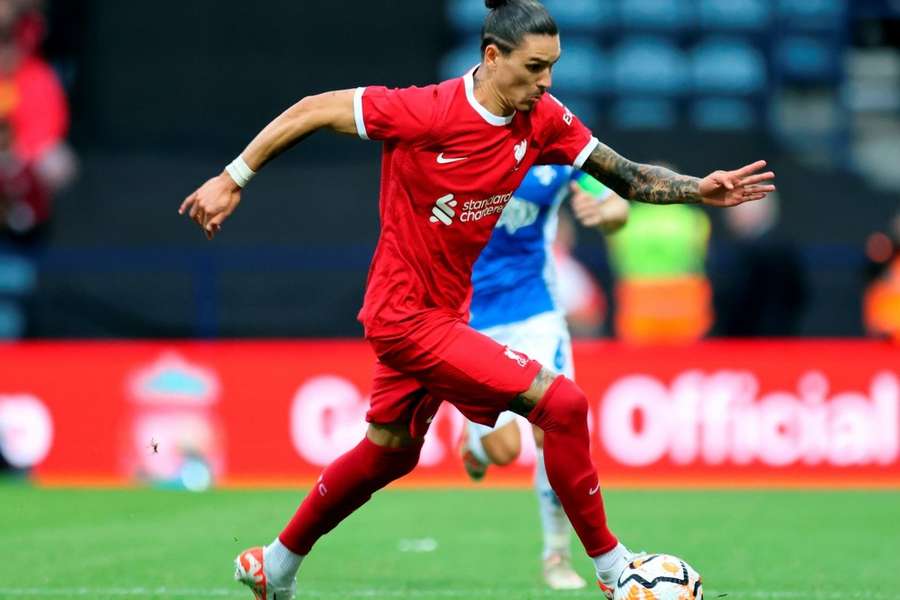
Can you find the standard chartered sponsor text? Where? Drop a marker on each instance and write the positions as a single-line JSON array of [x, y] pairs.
[[475, 210]]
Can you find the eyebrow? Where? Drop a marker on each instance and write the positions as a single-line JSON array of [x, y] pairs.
[[535, 59]]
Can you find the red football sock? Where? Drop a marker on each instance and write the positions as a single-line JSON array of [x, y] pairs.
[[345, 485], [562, 414]]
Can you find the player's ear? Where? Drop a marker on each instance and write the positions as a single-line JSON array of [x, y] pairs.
[[491, 53]]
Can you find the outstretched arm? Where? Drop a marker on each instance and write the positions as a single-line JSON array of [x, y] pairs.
[[658, 185], [216, 199], [331, 110]]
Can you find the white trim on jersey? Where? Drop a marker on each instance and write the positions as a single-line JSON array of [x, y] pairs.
[[491, 118], [358, 113], [583, 155]]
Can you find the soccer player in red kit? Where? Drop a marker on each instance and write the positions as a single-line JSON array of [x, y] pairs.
[[454, 153]]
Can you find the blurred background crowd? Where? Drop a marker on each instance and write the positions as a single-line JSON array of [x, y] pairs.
[[111, 112]]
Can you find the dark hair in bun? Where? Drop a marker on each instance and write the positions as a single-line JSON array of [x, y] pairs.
[[510, 20]]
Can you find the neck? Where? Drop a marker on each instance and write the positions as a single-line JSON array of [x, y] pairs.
[[487, 95]]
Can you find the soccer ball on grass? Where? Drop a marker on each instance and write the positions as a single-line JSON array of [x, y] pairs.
[[658, 577]]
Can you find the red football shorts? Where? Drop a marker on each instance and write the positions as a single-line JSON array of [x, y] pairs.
[[440, 358]]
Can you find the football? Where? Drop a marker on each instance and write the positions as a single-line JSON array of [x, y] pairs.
[[658, 577]]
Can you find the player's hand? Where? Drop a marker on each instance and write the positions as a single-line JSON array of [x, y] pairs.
[[608, 215], [586, 207], [212, 203], [730, 188]]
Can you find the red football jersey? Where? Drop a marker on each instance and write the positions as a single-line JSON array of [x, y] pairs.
[[448, 170]]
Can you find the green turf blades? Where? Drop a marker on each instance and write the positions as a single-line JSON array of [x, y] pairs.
[[472, 544]]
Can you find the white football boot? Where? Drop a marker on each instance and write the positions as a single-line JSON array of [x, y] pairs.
[[249, 570], [559, 575]]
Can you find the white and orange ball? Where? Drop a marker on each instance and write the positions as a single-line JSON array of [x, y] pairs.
[[658, 577]]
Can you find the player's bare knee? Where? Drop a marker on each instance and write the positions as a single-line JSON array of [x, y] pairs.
[[503, 445], [542, 382], [524, 403]]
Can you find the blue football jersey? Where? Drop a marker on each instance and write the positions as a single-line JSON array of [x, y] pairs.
[[515, 276]]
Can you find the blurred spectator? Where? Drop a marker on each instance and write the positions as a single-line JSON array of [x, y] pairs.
[[881, 306], [30, 27], [766, 290], [35, 161], [32, 99], [662, 293], [24, 202], [23, 207]]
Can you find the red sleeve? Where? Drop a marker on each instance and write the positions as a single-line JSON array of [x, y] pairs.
[[566, 140], [41, 118], [401, 115]]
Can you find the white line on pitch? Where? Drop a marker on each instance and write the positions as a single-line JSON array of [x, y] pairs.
[[398, 593]]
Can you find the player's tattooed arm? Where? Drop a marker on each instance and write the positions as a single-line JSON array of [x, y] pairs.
[[636, 181], [525, 402], [658, 185]]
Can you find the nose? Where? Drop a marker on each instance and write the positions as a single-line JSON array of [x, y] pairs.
[[545, 81]]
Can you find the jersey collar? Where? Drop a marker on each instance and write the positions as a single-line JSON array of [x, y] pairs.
[[491, 118]]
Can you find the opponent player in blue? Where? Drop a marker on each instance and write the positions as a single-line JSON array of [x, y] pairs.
[[514, 302]]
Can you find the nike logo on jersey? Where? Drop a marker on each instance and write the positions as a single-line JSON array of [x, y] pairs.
[[595, 490], [446, 161], [443, 210]]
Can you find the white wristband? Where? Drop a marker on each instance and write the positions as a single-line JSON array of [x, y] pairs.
[[240, 172]]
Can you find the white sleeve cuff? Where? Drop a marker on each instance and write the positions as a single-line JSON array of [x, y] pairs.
[[358, 113], [583, 155]]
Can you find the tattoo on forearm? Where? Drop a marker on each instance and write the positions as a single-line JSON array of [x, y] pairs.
[[525, 402], [644, 183]]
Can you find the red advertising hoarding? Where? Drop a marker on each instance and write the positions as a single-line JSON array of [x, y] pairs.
[[811, 413]]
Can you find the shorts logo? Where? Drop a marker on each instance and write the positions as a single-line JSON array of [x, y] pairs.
[[559, 360], [443, 210], [513, 355], [321, 485]]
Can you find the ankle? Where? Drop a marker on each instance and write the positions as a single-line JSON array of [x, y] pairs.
[[612, 559], [280, 563]]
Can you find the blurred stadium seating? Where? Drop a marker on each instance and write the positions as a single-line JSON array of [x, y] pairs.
[[726, 61], [17, 281]]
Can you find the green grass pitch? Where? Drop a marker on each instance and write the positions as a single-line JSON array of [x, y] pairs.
[[133, 544]]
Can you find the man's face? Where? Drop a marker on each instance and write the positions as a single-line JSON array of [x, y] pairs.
[[524, 75]]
